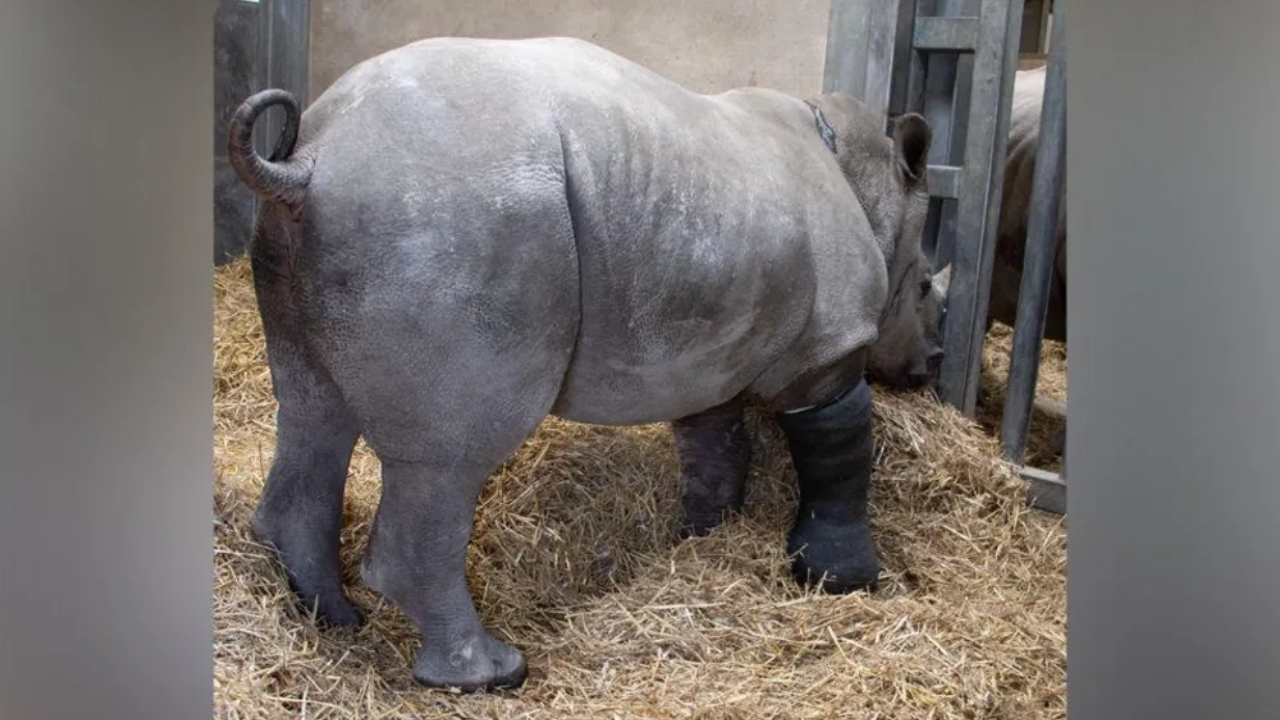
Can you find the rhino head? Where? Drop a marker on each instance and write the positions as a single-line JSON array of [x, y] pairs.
[[888, 176], [909, 348]]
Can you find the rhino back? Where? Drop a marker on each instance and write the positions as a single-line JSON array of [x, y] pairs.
[[718, 243], [714, 243]]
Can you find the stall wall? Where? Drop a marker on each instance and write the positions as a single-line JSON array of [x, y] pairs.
[[707, 45]]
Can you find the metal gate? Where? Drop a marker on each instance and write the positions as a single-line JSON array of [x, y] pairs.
[[953, 61]]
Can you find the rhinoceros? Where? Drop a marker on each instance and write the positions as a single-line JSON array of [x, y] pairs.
[[1015, 206], [464, 236]]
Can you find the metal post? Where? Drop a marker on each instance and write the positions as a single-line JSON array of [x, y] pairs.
[[995, 61], [946, 107], [1037, 267], [861, 49]]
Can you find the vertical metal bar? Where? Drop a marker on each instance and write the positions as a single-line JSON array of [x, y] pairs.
[[1037, 267], [1043, 36], [979, 204], [939, 111], [845, 67], [897, 22], [914, 72], [991, 227], [946, 109], [948, 219], [861, 45]]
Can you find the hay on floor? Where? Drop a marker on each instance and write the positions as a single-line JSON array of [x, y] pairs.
[[574, 561], [1051, 384]]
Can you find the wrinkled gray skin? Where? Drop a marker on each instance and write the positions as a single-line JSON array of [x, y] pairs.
[[1006, 276], [1006, 279], [466, 236]]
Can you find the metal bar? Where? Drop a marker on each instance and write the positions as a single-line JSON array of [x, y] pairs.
[[1037, 266], [1045, 491], [994, 195], [931, 240], [939, 92], [943, 180], [881, 54], [946, 113], [938, 34], [904, 67], [979, 203], [944, 221], [844, 69], [939, 111], [1042, 35], [862, 51], [917, 66]]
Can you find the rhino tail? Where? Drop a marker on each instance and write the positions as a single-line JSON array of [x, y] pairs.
[[283, 178]]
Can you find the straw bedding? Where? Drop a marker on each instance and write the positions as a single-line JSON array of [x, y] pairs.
[[1051, 385], [575, 561]]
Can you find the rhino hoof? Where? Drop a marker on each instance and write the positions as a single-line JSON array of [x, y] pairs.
[[337, 612], [478, 665], [700, 527], [330, 610], [838, 556], [689, 530]]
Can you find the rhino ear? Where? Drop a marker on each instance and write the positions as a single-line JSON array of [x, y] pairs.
[[912, 137]]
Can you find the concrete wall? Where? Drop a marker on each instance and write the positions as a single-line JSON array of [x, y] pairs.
[[706, 45]]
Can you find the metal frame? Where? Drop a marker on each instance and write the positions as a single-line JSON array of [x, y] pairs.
[[860, 42], [995, 52], [954, 62], [1037, 272], [956, 68]]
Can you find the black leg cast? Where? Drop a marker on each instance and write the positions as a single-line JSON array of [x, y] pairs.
[[715, 454], [832, 449]]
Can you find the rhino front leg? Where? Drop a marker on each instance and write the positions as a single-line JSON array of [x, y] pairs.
[[715, 453], [832, 450]]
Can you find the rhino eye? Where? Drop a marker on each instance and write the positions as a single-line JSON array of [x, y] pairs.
[[925, 287]]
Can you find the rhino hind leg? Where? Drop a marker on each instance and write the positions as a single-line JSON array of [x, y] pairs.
[[417, 557], [299, 513], [715, 453], [832, 450], [442, 405], [435, 462]]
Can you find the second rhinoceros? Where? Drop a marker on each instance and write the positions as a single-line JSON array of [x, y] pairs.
[[1015, 213]]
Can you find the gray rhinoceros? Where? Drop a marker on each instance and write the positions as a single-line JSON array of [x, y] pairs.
[[463, 236], [1015, 207]]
